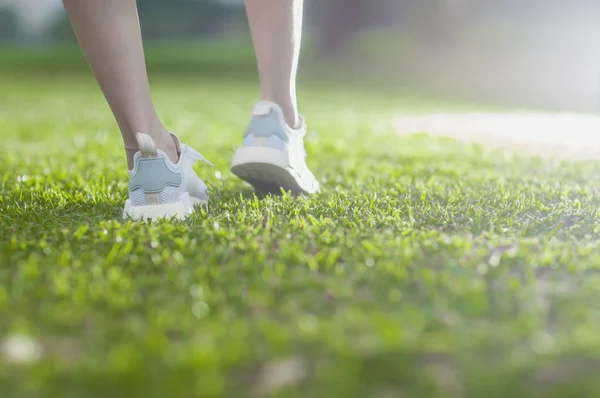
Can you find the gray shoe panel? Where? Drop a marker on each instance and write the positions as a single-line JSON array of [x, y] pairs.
[[267, 126], [152, 176]]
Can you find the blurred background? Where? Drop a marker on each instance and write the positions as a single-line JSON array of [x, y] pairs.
[[517, 53]]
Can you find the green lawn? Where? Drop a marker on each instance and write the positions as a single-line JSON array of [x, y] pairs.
[[426, 268]]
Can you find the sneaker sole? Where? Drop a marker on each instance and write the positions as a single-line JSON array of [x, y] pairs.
[[268, 171], [178, 210]]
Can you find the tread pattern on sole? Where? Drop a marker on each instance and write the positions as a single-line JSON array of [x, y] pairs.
[[267, 178]]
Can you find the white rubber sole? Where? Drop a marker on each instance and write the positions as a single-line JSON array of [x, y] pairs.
[[268, 170], [179, 210]]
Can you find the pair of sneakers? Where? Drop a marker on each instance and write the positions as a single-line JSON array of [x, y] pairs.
[[271, 158]]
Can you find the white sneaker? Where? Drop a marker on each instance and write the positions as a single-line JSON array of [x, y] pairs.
[[159, 188], [272, 156]]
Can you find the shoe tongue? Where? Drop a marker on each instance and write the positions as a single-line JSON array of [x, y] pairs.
[[264, 108]]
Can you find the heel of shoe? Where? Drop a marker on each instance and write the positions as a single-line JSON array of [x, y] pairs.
[[156, 187], [153, 181], [261, 154]]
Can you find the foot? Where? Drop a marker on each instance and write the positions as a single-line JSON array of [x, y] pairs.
[[159, 188], [272, 156]]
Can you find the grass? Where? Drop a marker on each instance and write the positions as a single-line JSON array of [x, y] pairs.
[[426, 268]]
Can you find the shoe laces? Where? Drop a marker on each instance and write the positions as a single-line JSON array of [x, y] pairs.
[[196, 156]]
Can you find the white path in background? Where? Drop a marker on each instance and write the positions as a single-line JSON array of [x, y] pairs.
[[560, 134]]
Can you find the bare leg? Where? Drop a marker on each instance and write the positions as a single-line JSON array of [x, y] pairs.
[[276, 27], [109, 34]]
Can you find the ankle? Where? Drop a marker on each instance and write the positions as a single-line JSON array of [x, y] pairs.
[[165, 142], [291, 115], [290, 111], [292, 118]]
